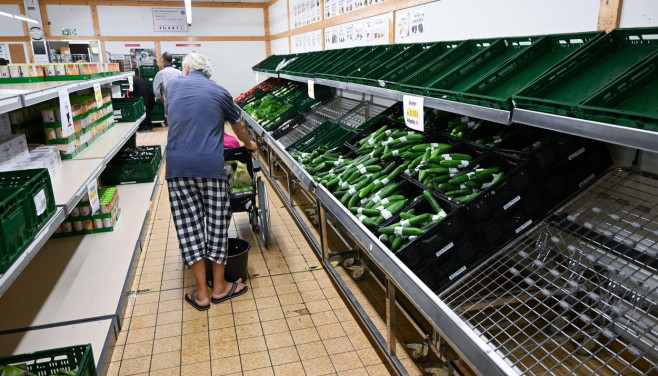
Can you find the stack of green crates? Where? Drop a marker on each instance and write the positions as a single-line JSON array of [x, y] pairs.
[[133, 165], [49, 362], [26, 204], [128, 109]]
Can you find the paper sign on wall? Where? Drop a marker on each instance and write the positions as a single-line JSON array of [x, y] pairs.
[[130, 83], [413, 112], [311, 89], [94, 202], [98, 95], [66, 113], [169, 20]]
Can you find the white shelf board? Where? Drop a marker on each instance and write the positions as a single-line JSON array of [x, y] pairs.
[[94, 332], [109, 143], [80, 277], [10, 102], [39, 240], [71, 183]]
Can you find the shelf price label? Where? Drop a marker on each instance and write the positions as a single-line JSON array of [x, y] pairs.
[[311, 88], [413, 112], [98, 95], [66, 113], [92, 192], [130, 83]]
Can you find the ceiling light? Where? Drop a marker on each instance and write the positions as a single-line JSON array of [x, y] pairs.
[[188, 11], [27, 19], [6, 14]]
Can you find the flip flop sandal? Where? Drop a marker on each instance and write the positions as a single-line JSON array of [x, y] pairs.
[[194, 304], [231, 294]]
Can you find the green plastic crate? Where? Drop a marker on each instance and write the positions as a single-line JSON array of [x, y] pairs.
[[40, 201], [372, 63], [358, 62], [271, 63], [148, 71], [439, 67], [409, 54], [128, 109], [133, 165], [568, 84], [358, 53], [312, 62], [15, 229], [335, 64], [478, 66], [630, 100], [412, 66], [49, 362], [497, 87]]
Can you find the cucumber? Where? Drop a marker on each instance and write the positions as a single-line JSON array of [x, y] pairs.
[[447, 187], [396, 243], [415, 220], [399, 230], [460, 192], [364, 211], [456, 163], [432, 201]]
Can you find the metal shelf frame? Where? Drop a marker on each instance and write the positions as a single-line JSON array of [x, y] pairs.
[[10, 102]]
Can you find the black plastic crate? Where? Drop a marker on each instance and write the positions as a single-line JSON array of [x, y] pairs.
[[292, 122]]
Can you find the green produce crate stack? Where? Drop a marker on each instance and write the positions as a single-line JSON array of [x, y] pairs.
[[76, 360], [133, 165], [40, 201], [371, 73], [574, 80], [128, 109], [15, 229]]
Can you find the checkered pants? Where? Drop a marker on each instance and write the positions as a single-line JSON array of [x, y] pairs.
[[202, 215]]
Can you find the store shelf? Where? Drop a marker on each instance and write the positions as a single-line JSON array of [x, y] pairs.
[[80, 277], [254, 124], [107, 145], [28, 254], [95, 332], [378, 91], [32, 93], [626, 136], [465, 341], [331, 83], [267, 74], [71, 183], [294, 78], [479, 112], [10, 102]]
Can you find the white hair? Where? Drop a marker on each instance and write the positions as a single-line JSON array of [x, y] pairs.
[[197, 62]]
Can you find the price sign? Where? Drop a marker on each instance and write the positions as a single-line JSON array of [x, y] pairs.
[[311, 89], [66, 113], [94, 202], [413, 112], [98, 95], [130, 83]]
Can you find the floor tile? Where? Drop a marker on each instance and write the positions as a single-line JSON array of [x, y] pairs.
[[311, 350], [290, 369], [283, 355], [225, 366], [275, 341], [255, 360], [192, 355], [196, 369], [134, 366], [346, 361], [165, 360], [318, 366], [223, 349], [168, 344], [303, 336], [137, 350], [252, 344]]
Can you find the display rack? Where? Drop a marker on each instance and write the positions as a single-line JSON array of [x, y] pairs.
[[446, 324], [10, 102]]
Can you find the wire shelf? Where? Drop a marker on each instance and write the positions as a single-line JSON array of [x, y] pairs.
[[335, 108], [578, 293], [311, 122], [359, 115]]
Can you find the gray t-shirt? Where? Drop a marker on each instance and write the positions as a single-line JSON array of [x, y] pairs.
[[197, 109]]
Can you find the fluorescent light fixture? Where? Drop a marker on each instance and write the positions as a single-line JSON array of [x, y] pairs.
[[18, 17], [188, 11], [26, 19]]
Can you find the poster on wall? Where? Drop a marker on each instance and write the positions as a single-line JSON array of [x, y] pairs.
[[402, 24], [349, 33], [327, 8], [341, 6], [169, 20], [379, 29], [359, 34], [368, 30], [417, 21]]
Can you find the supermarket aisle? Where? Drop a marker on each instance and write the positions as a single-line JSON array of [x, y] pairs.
[[291, 322]]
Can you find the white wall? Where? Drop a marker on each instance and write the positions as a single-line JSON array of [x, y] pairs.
[[70, 17], [639, 13], [232, 61], [10, 27], [464, 19], [138, 20], [119, 48], [278, 19], [280, 46]]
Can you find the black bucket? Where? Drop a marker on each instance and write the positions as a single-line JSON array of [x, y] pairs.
[[236, 264]]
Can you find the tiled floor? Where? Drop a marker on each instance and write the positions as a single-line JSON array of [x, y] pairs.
[[291, 321]]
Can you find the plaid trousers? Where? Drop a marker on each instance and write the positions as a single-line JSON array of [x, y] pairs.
[[202, 214]]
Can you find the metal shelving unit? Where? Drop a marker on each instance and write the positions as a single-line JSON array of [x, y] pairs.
[[577, 294], [10, 102]]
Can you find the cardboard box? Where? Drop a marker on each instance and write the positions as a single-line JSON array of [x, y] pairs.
[[43, 157], [12, 147]]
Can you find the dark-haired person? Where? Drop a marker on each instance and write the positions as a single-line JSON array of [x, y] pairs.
[[163, 77]]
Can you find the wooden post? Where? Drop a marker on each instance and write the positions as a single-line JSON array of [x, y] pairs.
[[94, 20], [266, 20], [391, 27], [609, 14]]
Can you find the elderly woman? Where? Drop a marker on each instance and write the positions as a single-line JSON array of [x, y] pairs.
[[198, 189]]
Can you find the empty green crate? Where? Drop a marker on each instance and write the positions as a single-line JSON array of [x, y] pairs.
[[336, 64], [148, 71], [49, 362], [15, 229], [312, 63], [442, 65], [630, 100], [271, 63], [369, 64], [358, 53], [133, 165], [497, 87], [568, 84], [406, 55], [358, 62], [128, 109], [414, 65], [478, 66], [40, 201]]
